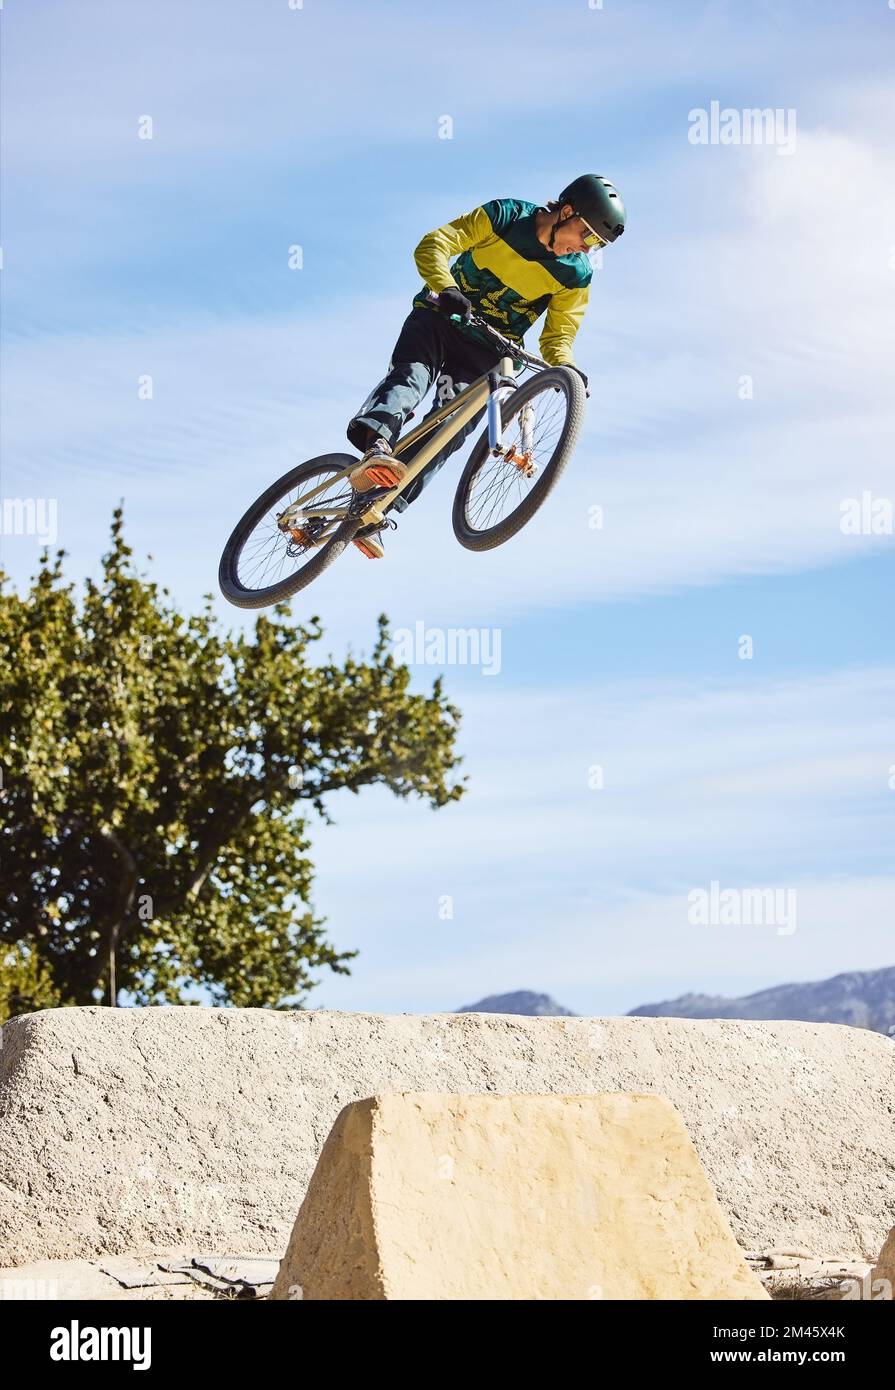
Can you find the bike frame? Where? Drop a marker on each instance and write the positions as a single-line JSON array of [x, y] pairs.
[[487, 391]]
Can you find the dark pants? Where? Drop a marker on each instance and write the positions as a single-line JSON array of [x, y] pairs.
[[430, 350]]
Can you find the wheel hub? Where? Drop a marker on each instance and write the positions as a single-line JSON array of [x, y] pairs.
[[522, 461]]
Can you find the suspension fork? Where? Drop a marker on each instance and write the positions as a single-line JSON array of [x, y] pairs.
[[501, 384], [527, 423]]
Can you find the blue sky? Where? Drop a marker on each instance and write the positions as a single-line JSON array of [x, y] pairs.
[[318, 126]]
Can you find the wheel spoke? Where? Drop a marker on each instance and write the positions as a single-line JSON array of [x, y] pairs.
[[268, 555], [498, 488]]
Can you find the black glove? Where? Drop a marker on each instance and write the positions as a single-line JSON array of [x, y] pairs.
[[582, 375], [453, 301]]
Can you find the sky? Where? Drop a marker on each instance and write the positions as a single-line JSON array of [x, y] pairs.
[[697, 690]]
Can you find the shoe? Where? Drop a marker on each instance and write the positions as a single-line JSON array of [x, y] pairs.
[[369, 541], [377, 468], [369, 538]]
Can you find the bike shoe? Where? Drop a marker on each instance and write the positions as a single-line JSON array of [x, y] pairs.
[[369, 538], [377, 468]]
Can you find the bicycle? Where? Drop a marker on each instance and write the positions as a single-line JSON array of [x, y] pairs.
[[312, 513]]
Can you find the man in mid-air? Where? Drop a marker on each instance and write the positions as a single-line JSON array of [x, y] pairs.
[[514, 261]]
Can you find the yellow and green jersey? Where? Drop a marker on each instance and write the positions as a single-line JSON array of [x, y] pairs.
[[508, 275]]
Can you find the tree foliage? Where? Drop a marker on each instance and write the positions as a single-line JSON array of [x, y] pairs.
[[158, 775]]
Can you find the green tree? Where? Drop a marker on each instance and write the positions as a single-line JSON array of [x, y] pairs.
[[25, 982], [157, 779]]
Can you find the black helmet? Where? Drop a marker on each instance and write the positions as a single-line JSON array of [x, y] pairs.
[[599, 202]]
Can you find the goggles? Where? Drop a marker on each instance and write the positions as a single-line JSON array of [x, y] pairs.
[[591, 238]]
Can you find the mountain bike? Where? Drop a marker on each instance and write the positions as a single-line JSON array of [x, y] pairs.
[[305, 520]]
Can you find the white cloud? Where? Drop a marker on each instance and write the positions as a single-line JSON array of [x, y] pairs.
[[559, 887], [697, 485], [223, 83], [610, 957]]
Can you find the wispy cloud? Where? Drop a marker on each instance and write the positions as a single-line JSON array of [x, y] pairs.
[[608, 956], [699, 477], [784, 784]]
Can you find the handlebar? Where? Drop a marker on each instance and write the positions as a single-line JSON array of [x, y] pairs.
[[510, 348]]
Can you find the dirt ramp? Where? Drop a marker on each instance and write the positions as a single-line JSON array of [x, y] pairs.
[[123, 1130]]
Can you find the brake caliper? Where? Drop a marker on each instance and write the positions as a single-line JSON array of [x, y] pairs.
[[298, 529]]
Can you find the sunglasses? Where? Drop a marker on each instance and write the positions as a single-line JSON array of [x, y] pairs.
[[592, 238]]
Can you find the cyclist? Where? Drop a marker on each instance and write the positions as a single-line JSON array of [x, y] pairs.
[[514, 261]]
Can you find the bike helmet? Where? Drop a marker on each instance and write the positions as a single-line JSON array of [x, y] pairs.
[[599, 202]]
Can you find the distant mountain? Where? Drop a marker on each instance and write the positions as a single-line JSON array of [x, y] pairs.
[[522, 1002], [861, 998]]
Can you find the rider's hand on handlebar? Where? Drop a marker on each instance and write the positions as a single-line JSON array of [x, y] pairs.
[[454, 301]]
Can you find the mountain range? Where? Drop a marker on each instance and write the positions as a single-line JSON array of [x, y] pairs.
[[860, 998]]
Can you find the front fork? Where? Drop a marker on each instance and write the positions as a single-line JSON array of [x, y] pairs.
[[500, 385]]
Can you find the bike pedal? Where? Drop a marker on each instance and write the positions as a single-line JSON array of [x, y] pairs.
[[383, 475], [367, 550]]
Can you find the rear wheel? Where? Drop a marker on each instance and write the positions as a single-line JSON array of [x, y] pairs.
[[262, 563], [497, 496]]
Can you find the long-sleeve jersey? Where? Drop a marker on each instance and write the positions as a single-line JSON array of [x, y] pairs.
[[508, 275]]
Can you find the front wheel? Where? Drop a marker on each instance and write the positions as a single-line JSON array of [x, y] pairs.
[[264, 561], [497, 496]]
